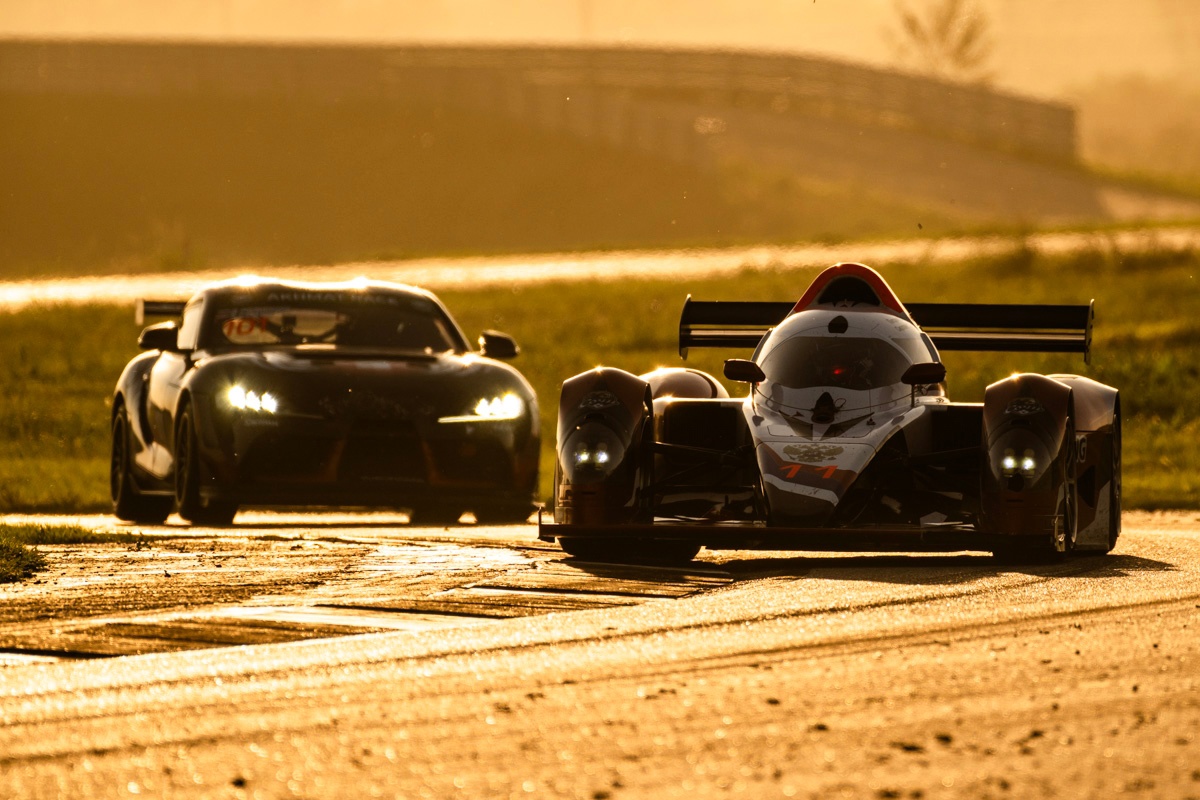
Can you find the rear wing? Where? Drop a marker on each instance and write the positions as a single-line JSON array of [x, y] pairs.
[[952, 326], [157, 308]]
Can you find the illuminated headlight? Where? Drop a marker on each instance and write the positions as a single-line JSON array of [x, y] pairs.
[[592, 455], [505, 407], [1025, 464], [249, 400]]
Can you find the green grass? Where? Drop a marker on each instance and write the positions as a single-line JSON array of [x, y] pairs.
[[17, 561], [58, 365]]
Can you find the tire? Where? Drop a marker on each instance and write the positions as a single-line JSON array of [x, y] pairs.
[[504, 513], [128, 503], [191, 506], [1114, 487], [1060, 543], [625, 551], [434, 516]]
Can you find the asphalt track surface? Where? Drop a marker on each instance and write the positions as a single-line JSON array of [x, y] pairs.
[[345, 656]]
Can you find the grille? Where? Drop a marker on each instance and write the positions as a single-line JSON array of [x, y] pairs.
[[382, 458], [477, 462]]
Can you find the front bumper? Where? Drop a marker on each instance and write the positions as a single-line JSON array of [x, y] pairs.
[[298, 461]]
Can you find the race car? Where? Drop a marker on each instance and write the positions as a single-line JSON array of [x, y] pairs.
[[846, 440], [353, 394]]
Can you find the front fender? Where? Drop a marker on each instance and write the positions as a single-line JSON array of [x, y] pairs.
[[1028, 443], [131, 392], [605, 443]]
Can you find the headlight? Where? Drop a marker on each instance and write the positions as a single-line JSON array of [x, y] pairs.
[[1011, 464], [591, 452], [244, 399], [596, 455], [508, 406]]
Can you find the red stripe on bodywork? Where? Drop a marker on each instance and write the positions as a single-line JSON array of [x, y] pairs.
[[872, 278]]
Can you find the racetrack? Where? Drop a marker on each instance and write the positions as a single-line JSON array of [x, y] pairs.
[[443, 273], [476, 662]]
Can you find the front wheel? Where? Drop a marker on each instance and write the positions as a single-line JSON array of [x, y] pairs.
[[1060, 543], [192, 507], [1114, 490], [128, 503], [434, 516], [504, 513]]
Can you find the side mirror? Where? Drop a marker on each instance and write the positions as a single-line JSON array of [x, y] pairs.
[[739, 369], [500, 346], [920, 374], [163, 336]]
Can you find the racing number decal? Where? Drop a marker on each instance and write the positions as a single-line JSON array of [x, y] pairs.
[[790, 471], [243, 326]]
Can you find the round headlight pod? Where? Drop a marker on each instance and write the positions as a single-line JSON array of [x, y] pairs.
[[1021, 454], [591, 452]]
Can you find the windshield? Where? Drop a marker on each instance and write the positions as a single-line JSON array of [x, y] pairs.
[[857, 364], [353, 319]]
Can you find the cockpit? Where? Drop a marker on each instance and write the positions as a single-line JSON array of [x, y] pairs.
[[802, 355]]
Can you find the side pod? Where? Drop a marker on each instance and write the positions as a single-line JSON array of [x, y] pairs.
[[605, 449], [1028, 470]]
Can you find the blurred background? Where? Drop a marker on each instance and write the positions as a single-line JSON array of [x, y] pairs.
[[137, 135]]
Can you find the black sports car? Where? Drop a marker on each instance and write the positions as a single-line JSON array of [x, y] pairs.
[[356, 394]]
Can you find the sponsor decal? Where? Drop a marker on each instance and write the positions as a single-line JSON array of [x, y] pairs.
[[812, 452], [1024, 407], [598, 400], [356, 298]]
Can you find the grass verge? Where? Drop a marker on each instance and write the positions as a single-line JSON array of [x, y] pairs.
[[19, 559], [58, 365]]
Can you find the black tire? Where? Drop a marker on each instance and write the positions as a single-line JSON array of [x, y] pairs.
[[504, 513], [128, 503], [434, 516], [631, 551], [1114, 490], [1060, 543], [192, 507], [1066, 520]]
